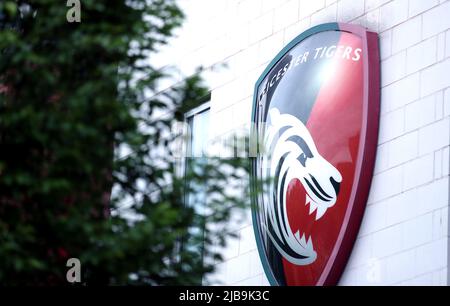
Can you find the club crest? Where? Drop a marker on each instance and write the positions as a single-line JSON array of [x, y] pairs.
[[315, 117]]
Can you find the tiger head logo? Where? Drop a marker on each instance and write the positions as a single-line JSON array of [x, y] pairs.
[[290, 153]]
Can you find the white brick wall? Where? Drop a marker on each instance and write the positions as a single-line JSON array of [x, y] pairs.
[[404, 234]]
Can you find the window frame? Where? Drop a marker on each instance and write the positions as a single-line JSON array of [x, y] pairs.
[[188, 116]]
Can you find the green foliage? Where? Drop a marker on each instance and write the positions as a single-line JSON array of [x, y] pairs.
[[73, 96]]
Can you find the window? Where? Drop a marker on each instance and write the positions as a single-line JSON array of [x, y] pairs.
[[198, 122], [197, 140]]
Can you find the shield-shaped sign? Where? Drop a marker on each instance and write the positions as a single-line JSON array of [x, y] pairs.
[[315, 117]]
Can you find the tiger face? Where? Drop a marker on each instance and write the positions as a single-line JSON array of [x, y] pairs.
[[292, 154]]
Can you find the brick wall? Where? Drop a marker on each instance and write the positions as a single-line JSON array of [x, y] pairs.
[[404, 234]]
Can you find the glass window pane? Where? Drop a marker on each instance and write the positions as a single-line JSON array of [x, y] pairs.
[[196, 160]]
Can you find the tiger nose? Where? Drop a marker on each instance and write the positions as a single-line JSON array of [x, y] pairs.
[[336, 185]]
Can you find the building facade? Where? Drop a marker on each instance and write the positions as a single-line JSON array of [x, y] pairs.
[[403, 238]]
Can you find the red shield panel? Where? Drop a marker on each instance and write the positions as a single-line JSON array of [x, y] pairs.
[[315, 116]]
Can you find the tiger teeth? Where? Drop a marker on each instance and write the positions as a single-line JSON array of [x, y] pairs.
[[312, 207], [320, 212], [309, 244], [303, 240], [308, 200]]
